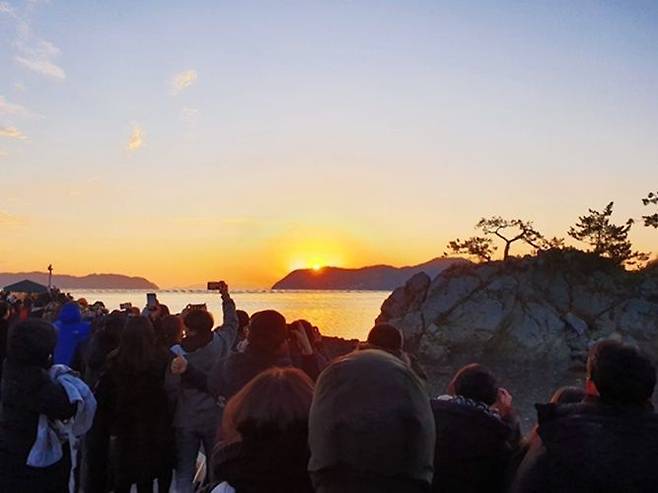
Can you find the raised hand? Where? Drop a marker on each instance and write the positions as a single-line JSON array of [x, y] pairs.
[[178, 365], [301, 339]]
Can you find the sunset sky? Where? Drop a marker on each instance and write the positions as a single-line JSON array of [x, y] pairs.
[[197, 140]]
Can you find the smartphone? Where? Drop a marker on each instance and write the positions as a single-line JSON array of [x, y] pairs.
[[125, 306], [215, 285], [199, 306], [151, 301]]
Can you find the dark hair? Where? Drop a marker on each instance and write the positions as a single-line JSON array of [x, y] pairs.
[[31, 343], [568, 395], [386, 336], [170, 331], [621, 373], [200, 321], [137, 349], [243, 319], [475, 382], [115, 322], [275, 400], [267, 331]]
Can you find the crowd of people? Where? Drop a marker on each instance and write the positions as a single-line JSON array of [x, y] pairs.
[[99, 401]]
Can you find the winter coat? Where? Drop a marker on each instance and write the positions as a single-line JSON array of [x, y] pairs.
[[270, 462], [231, 374], [27, 392], [133, 409], [474, 447], [591, 447], [71, 331], [196, 408], [371, 426]]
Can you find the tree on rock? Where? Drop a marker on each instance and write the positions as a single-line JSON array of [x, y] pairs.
[[476, 246], [507, 230], [652, 219], [605, 238], [510, 231]]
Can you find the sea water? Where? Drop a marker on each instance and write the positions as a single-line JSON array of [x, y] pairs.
[[348, 314]]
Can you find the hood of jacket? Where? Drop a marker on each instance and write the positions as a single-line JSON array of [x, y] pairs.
[[70, 314], [371, 414]]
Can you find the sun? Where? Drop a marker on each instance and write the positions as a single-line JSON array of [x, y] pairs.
[[316, 267]]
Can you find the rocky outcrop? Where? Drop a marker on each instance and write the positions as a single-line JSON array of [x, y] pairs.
[[534, 315]]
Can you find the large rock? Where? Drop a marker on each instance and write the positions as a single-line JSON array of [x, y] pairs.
[[532, 319]]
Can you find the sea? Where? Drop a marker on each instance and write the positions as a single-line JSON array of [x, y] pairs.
[[347, 314]]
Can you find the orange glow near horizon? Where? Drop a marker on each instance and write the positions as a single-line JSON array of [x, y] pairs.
[[323, 141]]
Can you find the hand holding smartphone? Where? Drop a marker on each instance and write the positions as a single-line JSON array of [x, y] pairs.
[[151, 301], [220, 286]]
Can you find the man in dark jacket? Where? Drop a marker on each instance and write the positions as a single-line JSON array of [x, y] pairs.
[[477, 434], [267, 347], [608, 443], [27, 392]]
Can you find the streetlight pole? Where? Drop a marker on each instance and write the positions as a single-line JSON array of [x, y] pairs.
[[50, 277]]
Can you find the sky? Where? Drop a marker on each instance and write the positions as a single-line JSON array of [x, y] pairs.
[[198, 140]]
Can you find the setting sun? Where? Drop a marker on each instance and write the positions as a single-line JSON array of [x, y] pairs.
[[316, 267]]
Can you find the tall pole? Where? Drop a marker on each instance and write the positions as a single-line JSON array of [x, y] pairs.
[[50, 277]]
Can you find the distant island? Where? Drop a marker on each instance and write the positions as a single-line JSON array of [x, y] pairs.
[[91, 281], [376, 277]]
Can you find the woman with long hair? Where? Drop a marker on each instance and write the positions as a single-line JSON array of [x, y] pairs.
[[133, 403], [264, 435]]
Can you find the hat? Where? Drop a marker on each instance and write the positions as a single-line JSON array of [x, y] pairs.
[[371, 415]]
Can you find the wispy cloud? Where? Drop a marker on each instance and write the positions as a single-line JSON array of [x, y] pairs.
[[14, 109], [6, 8], [39, 56], [183, 80], [31, 51], [12, 133], [136, 138], [3, 153], [7, 219]]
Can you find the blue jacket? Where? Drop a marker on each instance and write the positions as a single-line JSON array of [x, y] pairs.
[[71, 331]]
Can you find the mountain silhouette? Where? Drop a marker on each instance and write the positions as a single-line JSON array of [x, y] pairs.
[[91, 281], [375, 277]]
